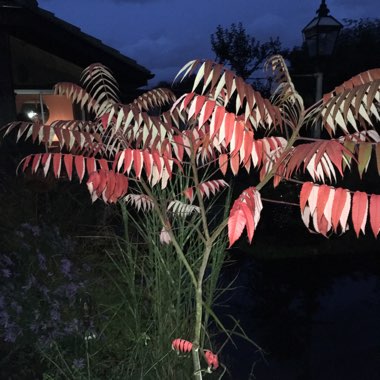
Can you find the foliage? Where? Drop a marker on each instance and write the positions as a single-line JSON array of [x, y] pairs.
[[41, 290], [171, 162], [245, 55]]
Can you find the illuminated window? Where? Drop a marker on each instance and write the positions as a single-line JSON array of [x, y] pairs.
[[43, 106]]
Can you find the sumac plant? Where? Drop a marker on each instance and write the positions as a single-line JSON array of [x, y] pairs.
[[221, 128]]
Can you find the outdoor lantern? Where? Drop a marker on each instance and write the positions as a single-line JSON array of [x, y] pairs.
[[34, 111], [321, 33]]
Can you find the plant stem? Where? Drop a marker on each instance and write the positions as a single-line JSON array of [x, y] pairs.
[[174, 241]]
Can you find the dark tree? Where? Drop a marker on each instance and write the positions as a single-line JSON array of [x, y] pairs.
[[243, 53]]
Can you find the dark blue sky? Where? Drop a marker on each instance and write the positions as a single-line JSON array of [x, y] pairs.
[[163, 35]]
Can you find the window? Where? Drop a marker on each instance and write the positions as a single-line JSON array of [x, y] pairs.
[[42, 105]]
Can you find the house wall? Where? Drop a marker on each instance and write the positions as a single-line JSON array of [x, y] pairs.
[[7, 101], [34, 68]]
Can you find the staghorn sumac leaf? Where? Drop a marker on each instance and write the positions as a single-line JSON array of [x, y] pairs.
[[206, 112], [364, 157], [236, 224], [57, 164], [90, 164], [341, 197], [248, 205], [137, 162], [26, 162], [68, 161], [323, 196], [304, 195], [189, 193], [45, 161], [234, 163], [377, 148], [374, 213], [36, 162], [182, 346], [223, 163], [79, 166], [140, 201], [182, 209], [359, 211]]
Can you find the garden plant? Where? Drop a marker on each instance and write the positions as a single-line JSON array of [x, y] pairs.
[[171, 157]]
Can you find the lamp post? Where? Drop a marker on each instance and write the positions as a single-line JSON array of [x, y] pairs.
[[320, 36]]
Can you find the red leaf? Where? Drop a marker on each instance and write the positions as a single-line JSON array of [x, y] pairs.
[[147, 163], [189, 193], [157, 161], [110, 188], [103, 182], [57, 164], [359, 211], [103, 164], [206, 112], [68, 161], [90, 164], [93, 183], [79, 166], [128, 159], [229, 125], [182, 345], [178, 147], [304, 195], [137, 162], [234, 163], [188, 99], [374, 212], [223, 162], [211, 359], [199, 101], [26, 162], [237, 136], [323, 196], [339, 201], [36, 162], [250, 223], [236, 223], [216, 120]]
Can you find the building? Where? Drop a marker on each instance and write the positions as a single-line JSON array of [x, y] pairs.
[[38, 50]]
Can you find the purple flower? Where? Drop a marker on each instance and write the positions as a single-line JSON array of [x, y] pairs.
[[66, 267], [72, 326], [86, 267], [7, 260], [78, 363], [4, 318], [42, 261], [11, 333], [55, 315], [6, 273], [71, 290], [16, 307], [31, 281]]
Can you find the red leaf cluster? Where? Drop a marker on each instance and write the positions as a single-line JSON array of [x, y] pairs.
[[328, 209], [206, 188], [183, 346], [157, 167], [245, 213], [107, 184], [80, 163]]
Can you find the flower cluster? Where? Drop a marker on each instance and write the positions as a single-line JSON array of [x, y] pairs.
[[40, 287]]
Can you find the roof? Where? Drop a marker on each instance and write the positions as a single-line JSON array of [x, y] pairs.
[[25, 20]]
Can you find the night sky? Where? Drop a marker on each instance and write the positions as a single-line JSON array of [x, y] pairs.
[[163, 35]]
